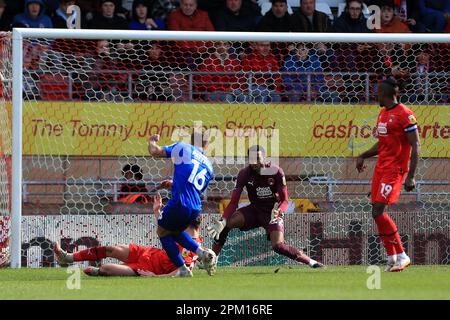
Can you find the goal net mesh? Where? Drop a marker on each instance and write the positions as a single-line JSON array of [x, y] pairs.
[[90, 106]]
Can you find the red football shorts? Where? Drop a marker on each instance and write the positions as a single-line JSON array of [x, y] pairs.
[[386, 186]]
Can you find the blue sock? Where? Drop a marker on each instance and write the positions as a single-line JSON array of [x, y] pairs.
[[186, 241], [171, 248]]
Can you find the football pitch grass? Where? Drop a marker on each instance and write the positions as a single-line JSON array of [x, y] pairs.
[[259, 283]]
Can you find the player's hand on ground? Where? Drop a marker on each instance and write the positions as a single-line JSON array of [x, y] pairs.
[[215, 230], [410, 184], [157, 203], [144, 273], [360, 164], [166, 184]]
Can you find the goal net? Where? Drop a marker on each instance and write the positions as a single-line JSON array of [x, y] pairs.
[[90, 103]]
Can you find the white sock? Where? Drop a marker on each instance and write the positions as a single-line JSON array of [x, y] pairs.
[[200, 252], [312, 262], [402, 256], [392, 259]]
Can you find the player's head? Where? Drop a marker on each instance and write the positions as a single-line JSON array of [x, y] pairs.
[[195, 224], [256, 156], [388, 93], [199, 139]]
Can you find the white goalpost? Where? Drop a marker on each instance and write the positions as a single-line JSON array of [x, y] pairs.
[[73, 135]]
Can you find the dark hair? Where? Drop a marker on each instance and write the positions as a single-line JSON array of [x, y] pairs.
[[196, 222], [135, 169], [391, 81], [255, 149]]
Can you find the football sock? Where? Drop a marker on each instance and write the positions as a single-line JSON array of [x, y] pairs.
[[402, 256], [171, 248], [291, 252], [186, 241], [217, 246], [90, 254], [388, 234], [312, 262]]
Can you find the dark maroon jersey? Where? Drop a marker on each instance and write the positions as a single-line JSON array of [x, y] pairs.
[[263, 190]]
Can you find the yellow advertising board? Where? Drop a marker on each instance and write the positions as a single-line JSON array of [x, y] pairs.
[[119, 129]]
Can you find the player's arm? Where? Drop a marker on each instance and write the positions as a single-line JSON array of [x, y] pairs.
[[144, 273], [281, 206], [157, 205], [368, 154], [154, 149], [413, 139]]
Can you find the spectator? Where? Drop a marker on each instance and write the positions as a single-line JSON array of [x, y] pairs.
[[390, 23], [216, 87], [189, 18], [141, 18], [407, 10], [277, 19], [60, 16], [352, 19], [236, 17], [263, 67], [5, 17], [435, 14], [153, 82], [164, 77], [308, 19], [107, 18], [352, 57], [162, 8], [308, 77], [134, 191], [214, 6], [34, 15], [107, 82]]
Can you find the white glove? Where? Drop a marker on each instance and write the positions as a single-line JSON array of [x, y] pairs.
[[276, 213], [216, 229]]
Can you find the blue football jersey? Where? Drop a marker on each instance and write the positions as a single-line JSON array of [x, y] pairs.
[[193, 171]]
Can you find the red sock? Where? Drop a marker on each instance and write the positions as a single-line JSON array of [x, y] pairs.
[[388, 234], [90, 254]]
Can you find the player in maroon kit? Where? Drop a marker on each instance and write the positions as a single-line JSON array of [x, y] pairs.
[[268, 195], [398, 143]]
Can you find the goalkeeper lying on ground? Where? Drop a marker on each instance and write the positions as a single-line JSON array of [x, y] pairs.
[[137, 260]]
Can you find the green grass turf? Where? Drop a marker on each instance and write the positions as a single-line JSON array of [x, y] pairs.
[[417, 282]]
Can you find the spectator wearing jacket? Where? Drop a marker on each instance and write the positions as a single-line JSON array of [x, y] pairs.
[[34, 15]]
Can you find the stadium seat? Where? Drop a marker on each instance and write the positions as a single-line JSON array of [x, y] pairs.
[[341, 9], [333, 3], [54, 87], [325, 8]]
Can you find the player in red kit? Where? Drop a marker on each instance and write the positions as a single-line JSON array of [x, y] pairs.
[[137, 260], [398, 146], [268, 195]]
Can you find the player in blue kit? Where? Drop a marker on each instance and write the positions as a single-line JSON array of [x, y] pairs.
[[191, 176]]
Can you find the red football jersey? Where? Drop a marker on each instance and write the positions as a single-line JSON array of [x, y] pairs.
[[394, 150]]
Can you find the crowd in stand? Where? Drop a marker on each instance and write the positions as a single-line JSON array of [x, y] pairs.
[[280, 71]]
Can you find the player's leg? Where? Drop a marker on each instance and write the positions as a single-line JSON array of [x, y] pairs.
[[110, 270], [386, 190], [276, 235], [89, 254], [237, 220], [207, 257]]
